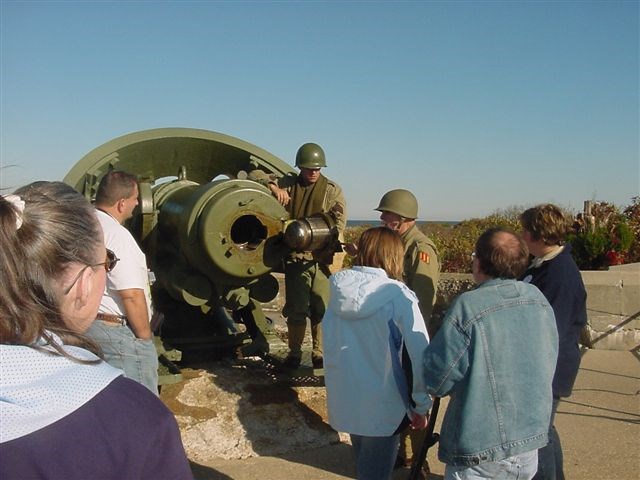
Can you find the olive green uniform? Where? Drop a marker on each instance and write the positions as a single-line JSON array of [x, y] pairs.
[[421, 274], [307, 273], [421, 271]]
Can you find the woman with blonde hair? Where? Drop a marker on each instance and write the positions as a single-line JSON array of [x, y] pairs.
[[371, 318], [65, 413]]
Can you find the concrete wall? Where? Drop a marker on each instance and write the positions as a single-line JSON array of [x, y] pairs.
[[613, 304]]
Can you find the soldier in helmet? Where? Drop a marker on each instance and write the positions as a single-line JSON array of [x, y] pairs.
[[306, 274], [399, 210]]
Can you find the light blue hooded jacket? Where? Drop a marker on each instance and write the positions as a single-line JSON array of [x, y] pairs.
[[368, 320]]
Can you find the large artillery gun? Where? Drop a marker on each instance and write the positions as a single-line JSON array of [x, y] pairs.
[[212, 237]]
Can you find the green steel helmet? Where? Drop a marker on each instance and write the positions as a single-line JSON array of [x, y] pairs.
[[310, 155], [401, 202]]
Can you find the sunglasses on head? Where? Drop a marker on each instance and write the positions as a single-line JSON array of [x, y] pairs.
[[109, 264]]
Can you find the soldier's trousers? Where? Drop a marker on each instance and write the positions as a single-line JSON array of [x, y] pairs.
[[307, 291]]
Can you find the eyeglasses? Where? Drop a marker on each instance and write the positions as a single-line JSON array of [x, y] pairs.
[[473, 256], [109, 264]]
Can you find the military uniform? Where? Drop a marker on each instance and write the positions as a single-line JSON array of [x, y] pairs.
[[421, 272], [307, 273]]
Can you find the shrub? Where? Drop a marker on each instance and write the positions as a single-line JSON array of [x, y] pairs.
[[632, 216], [351, 235], [607, 238], [613, 238], [456, 243]]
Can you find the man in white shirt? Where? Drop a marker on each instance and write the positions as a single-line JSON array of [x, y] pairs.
[[122, 325]]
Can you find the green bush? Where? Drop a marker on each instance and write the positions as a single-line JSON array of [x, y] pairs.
[[453, 242], [351, 235], [632, 217], [609, 239]]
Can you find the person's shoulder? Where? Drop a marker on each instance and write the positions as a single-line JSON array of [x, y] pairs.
[[132, 396], [563, 265], [529, 289], [105, 220], [119, 239], [290, 177], [333, 184], [425, 243], [403, 292], [421, 244]]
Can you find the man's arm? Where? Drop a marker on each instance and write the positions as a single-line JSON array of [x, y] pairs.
[[446, 359], [271, 182], [280, 193], [135, 308], [416, 339], [424, 282], [336, 205]]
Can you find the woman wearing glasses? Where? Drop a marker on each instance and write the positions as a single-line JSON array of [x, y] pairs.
[[64, 413]]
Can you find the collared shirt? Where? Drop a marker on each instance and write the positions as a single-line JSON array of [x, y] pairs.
[[537, 261]]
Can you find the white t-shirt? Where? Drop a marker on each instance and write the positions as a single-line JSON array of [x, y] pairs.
[[130, 272]]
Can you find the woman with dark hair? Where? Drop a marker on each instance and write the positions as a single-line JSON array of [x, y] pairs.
[[64, 413], [372, 316], [556, 275]]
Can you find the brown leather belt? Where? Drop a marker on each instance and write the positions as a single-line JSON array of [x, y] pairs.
[[105, 317]]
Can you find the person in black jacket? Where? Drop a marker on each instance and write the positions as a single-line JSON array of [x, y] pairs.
[[556, 274]]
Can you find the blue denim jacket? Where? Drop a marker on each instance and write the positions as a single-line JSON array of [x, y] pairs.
[[495, 356]]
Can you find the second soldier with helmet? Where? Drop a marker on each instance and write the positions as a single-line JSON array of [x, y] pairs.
[[399, 211]]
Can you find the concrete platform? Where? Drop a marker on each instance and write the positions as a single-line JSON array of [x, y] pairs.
[[599, 427]]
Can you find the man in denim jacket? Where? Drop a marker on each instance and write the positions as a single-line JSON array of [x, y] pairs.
[[495, 356]]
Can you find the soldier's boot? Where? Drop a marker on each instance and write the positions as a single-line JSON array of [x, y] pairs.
[[296, 336], [317, 359]]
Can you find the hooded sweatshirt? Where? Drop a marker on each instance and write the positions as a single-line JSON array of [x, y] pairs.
[[368, 321]]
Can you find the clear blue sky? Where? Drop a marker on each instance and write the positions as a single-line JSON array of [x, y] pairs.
[[474, 106]]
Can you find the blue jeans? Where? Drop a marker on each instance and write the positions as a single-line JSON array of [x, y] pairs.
[[518, 467], [375, 456], [122, 349], [550, 456]]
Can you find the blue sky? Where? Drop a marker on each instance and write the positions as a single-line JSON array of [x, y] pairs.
[[474, 106]]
